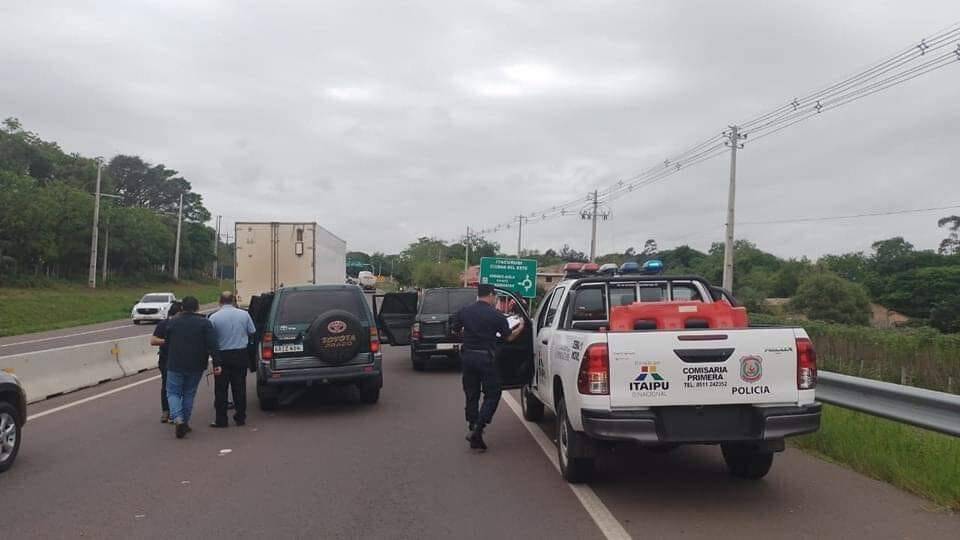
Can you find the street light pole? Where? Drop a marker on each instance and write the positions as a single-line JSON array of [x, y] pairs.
[[92, 275], [176, 253], [216, 248]]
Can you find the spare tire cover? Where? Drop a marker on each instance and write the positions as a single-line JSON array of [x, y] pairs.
[[335, 336]]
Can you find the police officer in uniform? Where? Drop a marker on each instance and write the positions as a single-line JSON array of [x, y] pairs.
[[481, 324]]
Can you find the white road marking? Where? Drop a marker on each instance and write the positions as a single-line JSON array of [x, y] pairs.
[[65, 336], [91, 398], [608, 525]]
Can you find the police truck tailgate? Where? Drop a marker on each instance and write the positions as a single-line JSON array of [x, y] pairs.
[[703, 367]]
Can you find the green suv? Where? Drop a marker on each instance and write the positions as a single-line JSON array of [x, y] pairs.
[[314, 335]]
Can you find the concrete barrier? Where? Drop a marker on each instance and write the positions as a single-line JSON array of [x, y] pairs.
[[65, 369]]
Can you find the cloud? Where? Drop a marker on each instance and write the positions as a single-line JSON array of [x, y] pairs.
[[390, 120]]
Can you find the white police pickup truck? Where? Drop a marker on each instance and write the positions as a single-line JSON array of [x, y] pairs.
[[664, 361]]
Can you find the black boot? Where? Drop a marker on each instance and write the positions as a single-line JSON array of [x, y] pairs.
[[476, 439]]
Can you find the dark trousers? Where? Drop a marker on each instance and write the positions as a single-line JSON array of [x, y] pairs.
[[164, 404], [480, 375], [234, 378]]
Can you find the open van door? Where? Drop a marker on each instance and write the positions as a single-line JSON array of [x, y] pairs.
[[395, 315], [515, 358], [259, 311]]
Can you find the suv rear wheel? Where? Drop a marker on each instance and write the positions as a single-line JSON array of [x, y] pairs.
[[370, 390], [9, 435], [419, 361], [269, 396]]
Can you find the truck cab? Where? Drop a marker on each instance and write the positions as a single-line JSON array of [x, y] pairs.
[[663, 361]]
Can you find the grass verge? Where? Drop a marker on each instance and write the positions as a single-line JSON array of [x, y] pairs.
[[917, 460], [64, 305]]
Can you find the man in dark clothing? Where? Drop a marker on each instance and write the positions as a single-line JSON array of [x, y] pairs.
[[190, 339], [155, 340], [481, 325], [233, 328]]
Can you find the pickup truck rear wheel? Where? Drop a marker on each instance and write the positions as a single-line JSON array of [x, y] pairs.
[[575, 470], [532, 407], [746, 461]]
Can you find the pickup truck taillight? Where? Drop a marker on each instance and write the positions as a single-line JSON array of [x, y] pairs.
[[806, 365], [374, 340], [415, 331], [266, 351], [594, 376]]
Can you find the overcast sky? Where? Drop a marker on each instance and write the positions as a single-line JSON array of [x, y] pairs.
[[385, 121]]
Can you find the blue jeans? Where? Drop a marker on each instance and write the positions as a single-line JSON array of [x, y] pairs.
[[181, 389]]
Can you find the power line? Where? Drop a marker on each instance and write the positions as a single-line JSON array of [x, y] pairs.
[[885, 74], [850, 216], [921, 48]]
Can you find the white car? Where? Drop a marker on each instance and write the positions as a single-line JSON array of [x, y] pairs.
[[367, 280], [152, 307]]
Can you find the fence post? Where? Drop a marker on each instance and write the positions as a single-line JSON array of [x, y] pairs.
[[949, 385], [905, 378]]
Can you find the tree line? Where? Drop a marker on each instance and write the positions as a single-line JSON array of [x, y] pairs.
[[46, 214], [922, 284]]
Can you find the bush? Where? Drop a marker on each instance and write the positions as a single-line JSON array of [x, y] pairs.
[[826, 296], [431, 274]]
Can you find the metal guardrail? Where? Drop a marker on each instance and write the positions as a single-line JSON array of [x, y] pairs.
[[937, 411]]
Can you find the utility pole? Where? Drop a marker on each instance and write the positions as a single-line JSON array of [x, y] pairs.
[[593, 211], [466, 257], [106, 248], [734, 143], [216, 248], [92, 275], [520, 236], [593, 235], [176, 253]]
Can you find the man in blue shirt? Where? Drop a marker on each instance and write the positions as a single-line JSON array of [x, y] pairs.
[[481, 325], [233, 328]]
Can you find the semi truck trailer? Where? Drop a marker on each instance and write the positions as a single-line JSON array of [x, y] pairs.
[[271, 255]]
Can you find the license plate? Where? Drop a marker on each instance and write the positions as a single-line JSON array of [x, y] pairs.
[[281, 348], [448, 346]]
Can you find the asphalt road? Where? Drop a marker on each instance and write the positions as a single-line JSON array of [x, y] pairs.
[[330, 467]]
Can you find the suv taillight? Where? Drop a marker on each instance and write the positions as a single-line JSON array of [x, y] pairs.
[[415, 331], [374, 340], [594, 376], [266, 351], [806, 365]]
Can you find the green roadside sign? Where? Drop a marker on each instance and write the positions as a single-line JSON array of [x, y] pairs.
[[515, 275]]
